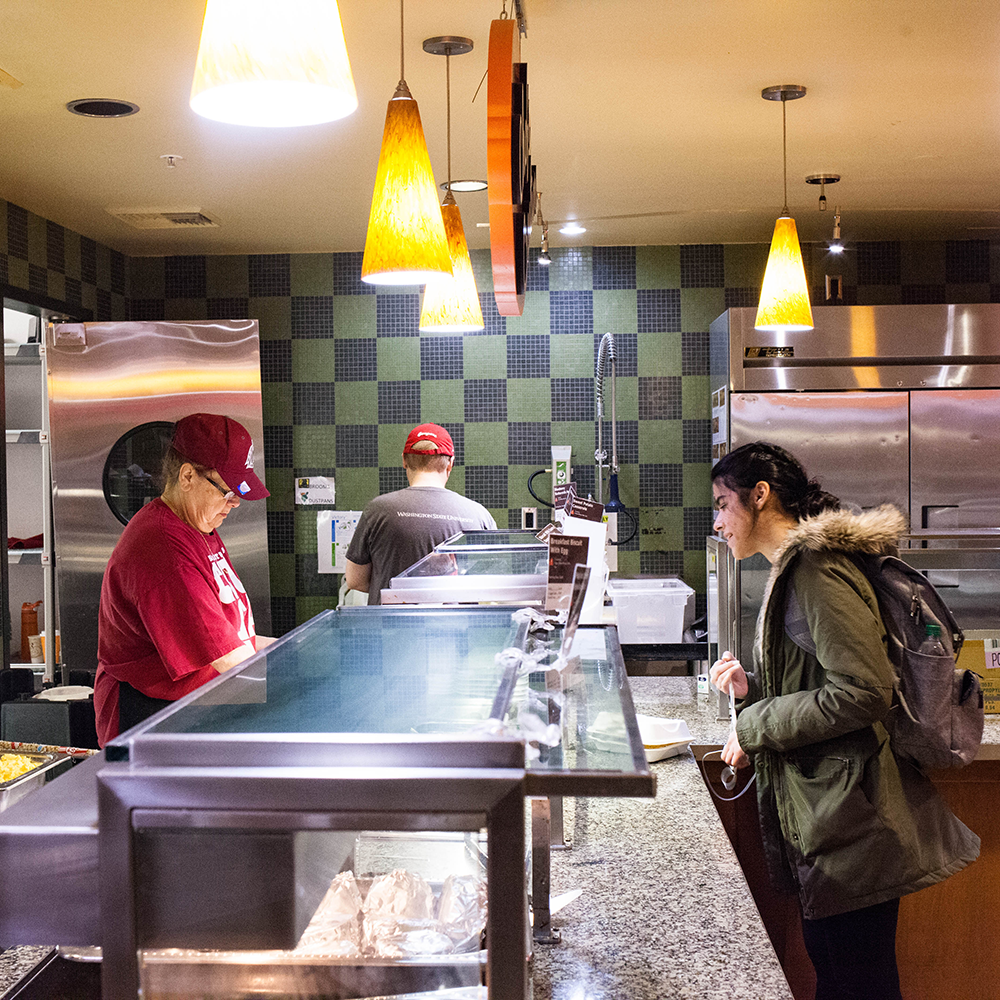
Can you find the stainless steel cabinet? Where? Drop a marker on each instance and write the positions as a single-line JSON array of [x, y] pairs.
[[883, 404]]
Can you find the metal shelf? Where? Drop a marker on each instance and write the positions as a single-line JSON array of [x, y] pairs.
[[32, 354]]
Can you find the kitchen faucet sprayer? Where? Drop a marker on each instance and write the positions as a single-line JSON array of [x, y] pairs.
[[606, 359]]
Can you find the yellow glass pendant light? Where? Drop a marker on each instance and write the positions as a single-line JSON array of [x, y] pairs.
[[451, 304], [272, 64], [406, 242], [784, 294]]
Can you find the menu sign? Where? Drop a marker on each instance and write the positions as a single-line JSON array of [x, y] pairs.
[[587, 510], [566, 552], [544, 533], [563, 495]]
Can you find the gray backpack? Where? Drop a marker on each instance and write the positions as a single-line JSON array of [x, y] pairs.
[[936, 719]]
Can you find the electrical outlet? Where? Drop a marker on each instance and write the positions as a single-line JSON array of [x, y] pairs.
[[529, 518]]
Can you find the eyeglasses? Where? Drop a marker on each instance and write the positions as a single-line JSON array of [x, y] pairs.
[[227, 495]]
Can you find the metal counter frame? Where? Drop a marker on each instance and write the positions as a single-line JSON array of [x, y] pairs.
[[273, 795]]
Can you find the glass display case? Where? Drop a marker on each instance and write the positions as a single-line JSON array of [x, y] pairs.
[[343, 815], [472, 567]]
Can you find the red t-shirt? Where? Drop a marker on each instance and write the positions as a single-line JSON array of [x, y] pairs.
[[171, 603]]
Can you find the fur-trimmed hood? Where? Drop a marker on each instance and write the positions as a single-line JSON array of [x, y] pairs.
[[872, 532]]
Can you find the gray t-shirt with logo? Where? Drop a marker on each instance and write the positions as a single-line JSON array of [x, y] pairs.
[[398, 529]]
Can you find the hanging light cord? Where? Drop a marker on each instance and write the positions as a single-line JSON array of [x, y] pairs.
[[402, 75], [447, 76], [784, 150]]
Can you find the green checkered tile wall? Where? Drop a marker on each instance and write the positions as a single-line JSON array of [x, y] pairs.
[[346, 373]]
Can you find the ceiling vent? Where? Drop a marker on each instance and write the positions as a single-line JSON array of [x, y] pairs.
[[151, 219]]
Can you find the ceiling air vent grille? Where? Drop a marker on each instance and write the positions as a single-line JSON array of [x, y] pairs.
[[165, 220]]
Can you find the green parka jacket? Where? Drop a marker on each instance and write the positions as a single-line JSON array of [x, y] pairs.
[[844, 822]]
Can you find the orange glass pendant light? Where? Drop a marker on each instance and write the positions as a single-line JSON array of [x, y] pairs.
[[451, 304], [784, 294], [406, 242], [271, 64]]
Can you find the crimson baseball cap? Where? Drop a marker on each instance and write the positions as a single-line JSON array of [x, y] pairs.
[[429, 439], [220, 443]]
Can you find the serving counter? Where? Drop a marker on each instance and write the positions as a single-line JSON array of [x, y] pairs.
[[387, 743], [488, 567]]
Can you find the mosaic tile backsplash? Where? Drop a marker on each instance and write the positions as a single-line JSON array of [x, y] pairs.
[[345, 372]]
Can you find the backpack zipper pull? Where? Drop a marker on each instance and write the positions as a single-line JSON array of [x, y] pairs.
[[915, 607]]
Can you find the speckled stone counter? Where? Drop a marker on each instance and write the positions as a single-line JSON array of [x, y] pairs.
[[665, 911], [15, 963]]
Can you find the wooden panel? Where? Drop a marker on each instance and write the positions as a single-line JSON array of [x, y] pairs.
[[947, 944]]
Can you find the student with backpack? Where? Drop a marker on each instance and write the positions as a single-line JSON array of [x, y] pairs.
[[846, 822]]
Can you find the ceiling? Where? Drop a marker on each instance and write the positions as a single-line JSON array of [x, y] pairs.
[[647, 122]]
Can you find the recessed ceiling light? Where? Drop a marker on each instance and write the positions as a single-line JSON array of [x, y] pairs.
[[464, 185], [572, 229], [102, 107]]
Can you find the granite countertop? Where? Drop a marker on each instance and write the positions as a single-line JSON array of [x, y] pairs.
[[664, 910]]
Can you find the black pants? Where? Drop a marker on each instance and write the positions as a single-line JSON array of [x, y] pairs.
[[854, 953], [134, 706]]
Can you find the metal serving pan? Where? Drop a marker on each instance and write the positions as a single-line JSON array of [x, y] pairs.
[[14, 790]]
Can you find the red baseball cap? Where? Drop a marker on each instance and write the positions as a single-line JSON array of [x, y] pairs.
[[220, 443], [428, 439]]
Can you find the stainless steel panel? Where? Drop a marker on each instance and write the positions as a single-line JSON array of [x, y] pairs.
[[48, 855], [867, 347], [955, 451], [856, 444], [955, 446], [407, 799], [807, 376], [106, 379]]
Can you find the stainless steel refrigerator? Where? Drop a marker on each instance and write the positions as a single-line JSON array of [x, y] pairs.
[[883, 404], [115, 391]]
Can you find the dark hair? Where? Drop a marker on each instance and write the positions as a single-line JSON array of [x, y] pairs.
[[171, 469], [759, 461]]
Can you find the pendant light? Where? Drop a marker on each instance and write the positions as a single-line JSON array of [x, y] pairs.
[[406, 242], [784, 294], [273, 64], [451, 302]]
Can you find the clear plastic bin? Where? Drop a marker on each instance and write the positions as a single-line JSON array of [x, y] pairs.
[[650, 610]]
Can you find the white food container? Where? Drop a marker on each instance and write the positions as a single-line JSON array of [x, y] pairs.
[[663, 737], [650, 610]]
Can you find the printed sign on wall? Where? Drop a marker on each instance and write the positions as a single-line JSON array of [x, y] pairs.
[[334, 531]]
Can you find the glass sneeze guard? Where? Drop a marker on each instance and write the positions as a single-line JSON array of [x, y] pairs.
[[504, 567], [406, 686]]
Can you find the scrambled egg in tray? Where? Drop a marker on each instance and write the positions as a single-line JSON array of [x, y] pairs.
[[13, 765]]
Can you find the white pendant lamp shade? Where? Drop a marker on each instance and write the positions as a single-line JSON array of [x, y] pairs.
[[784, 294], [406, 242], [451, 304], [271, 63]]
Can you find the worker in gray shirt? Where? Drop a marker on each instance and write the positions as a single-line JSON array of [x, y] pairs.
[[398, 529]]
